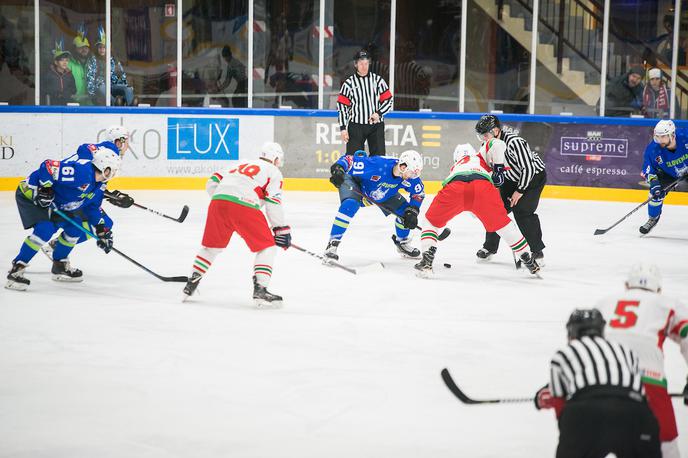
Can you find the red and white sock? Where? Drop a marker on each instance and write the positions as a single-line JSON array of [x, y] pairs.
[[262, 268], [204, 259], [514, 238]]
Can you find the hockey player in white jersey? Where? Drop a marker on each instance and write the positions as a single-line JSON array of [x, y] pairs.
[[237, 196], [470, 186], [641, 318]]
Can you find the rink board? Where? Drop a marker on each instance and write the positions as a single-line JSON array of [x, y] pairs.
[[586, 158]]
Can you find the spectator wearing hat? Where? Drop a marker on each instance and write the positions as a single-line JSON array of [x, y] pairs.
[[364, 99], [58, 85], [624, 94], [657, 96], [77, 65], [95, 75]]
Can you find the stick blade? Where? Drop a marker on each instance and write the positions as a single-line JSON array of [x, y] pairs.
[[182, 216], [600, 231], [179, 279]]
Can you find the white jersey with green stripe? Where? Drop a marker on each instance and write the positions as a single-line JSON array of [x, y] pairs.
[[252, 183], [470, 163], [642, 320]]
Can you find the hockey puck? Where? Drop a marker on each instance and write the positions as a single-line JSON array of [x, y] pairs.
[[447, 265]]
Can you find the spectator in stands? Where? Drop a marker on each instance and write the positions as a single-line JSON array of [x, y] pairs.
[[236, 71], [78, 63], [95, 76], [58, 84], [666, 44], [625, 93], [657, 96], [300, 83]]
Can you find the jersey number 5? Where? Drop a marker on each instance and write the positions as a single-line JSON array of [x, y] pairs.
[[625, 318]]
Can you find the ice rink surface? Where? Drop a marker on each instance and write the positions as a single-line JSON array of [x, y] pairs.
[[118, 366]]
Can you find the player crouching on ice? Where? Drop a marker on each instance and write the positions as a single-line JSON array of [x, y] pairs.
[[237, 196], [470, 186], [377, 179], [74, 186]]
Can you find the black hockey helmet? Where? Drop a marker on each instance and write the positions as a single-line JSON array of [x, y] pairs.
[[362, 54], [585, 322], [486, 123]]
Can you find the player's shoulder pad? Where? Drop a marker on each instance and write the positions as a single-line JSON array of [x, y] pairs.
[[53, 168]]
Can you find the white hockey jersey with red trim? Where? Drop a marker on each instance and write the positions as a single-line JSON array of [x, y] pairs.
[[642, 320], [252, 183]]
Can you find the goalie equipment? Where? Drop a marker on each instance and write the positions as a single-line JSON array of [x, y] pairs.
[[104, 159], [272, 152], [413, 162], [644, 276], [15, 277]]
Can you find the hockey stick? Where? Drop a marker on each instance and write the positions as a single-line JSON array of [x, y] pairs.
[[665, 190], [179, 279], [442, 235], [375, 266], [180, 219], [456, 391]]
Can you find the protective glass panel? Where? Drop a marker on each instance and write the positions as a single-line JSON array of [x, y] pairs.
[[17, 59]]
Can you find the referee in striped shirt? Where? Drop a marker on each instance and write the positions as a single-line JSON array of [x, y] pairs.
[[525, 179], [363, 101], [596, 390]]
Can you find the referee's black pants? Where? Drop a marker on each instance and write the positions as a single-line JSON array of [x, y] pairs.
[[524, 213], [597, 426], [373, 133]]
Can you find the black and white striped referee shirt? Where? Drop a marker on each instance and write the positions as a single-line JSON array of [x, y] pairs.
[[360, 97], [522, 163], [593, 361]]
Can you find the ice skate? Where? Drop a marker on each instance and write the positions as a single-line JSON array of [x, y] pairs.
[[331, 251], [647, 227], [191, 285], [530, 263], [15, 277], [424, 267], [62, 271], [539, 257], [263, 298], [484, 254], [49, 247], [404, 248]]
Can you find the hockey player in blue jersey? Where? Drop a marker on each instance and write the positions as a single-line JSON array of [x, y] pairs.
[[378, 179], [74, 186], [665, 160]]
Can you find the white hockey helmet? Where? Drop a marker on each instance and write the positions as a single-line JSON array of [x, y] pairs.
[[413, 162], [664, 127], [113, 133], [644, 276], [104, 159], [463, 149], [272, 152]]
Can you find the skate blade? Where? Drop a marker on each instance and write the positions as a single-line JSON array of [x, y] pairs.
[[67, 278], [16, 286], [409, 256], [263, 304], [47, 251], [484, 260]]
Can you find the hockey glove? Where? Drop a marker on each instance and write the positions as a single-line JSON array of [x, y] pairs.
[[119, 199], [685, 393], [43, 197], [656, 189], [410, 219], [337, 178], [543, 398], [498, 174], [104, 235], [282, 236]]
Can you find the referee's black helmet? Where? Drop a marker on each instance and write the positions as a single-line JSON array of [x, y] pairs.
[[486, 123], [585, 322], [362, 54]]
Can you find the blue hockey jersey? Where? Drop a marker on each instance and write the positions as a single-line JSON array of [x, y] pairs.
[[74, 183], [374, 174], [673, 163]]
